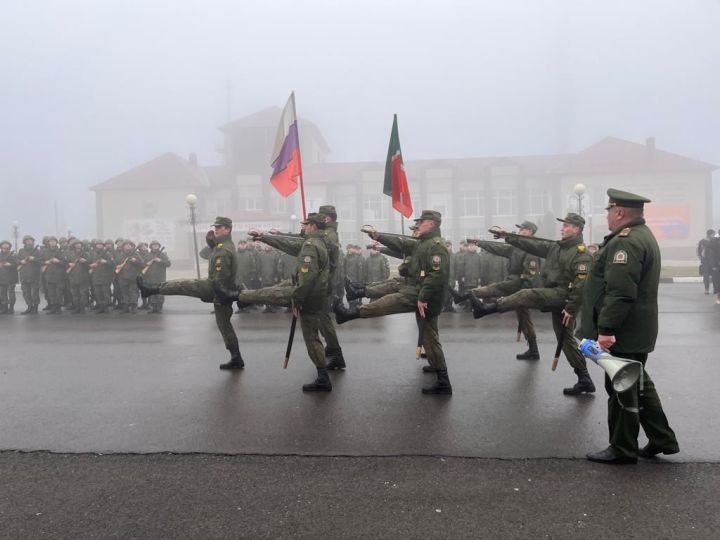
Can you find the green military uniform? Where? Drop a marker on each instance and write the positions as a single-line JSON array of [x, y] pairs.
[[222, 269], [567, 263], [78, 272], [426, 278], [65, 248], [492, 268], [29, 268], [621, 301], [53, 270], [155, 272], [376, 268], [310, 297], [336, 281], [102, 272], [8, 277], [245, 265], [523, 271], [130, 264]]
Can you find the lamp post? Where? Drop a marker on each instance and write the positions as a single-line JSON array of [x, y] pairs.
[[191, 201], [579, 190], [69, 232], [15, 233], [293, 219]]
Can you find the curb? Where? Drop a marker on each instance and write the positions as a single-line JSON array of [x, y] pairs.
[[681, 279]]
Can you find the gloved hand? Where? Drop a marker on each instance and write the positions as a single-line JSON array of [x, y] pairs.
[[210, 239]]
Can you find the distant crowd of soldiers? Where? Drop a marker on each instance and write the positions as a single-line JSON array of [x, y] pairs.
[[79, 275]]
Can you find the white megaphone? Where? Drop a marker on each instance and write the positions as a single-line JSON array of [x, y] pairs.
[[624, 374]]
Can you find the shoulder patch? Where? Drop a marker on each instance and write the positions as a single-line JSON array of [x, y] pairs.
[[620, 257], [533, 264], [582, 268], [581, 248], [436, 259], [625, 232], [307, 259]]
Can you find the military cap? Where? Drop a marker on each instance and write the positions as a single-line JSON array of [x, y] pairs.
[[142, 244], [62, 239], [119, 240], [97, 241], [154, 242], [625, 199], [128, 242], [109, 241], [528, 225], [430, 215], [28, 237], [76, 241], [223, 222], [5, 242], [328, 210], [317, 219], [573, 219]]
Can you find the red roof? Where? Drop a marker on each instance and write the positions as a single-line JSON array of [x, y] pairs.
[[612, 155], [164, 172]]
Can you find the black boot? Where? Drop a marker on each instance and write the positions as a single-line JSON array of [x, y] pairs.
[[3, 309], [354, 291], [459, 297], [335, 359], [224, 295], [584, 385], [55, 310], [11, 308], [532, 353], [236, 361], [321, 384], [430, 369], [480, 308], [144, 303], [28, 311], [343, 314], [442, 386], [146, 291]]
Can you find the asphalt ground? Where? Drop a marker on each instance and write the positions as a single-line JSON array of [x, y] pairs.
[[189, 444]]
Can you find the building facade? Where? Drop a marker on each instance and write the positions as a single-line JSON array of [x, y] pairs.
[[473, 194]]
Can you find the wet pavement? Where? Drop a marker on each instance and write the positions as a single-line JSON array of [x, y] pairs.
[[147, 383], [122, 426]]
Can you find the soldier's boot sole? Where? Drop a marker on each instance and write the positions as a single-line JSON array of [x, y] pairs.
[[317, 386], [480, 308], [232, 365], [438, 389]]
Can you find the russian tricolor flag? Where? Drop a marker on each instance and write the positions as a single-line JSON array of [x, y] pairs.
[[286, 164]]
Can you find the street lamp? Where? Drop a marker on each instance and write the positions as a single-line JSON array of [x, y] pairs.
[[293, 218], [15, 233], [191, 201], [579, 190], [69, 232]]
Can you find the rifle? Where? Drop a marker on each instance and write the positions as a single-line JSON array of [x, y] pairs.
[[23, 262], [73, 264], [119, 267], [291, 337], [558, 349], [152, 261], [421, 335]]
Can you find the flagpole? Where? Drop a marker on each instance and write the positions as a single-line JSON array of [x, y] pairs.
[[402, 217], [302, 184]]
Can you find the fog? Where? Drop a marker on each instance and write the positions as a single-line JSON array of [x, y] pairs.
[[91, 89]]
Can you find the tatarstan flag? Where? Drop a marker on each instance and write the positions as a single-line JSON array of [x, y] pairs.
[[395, 179]]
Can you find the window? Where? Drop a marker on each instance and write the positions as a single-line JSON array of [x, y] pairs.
[[374, 207], [538, 201], [279, 205], [472, 204], [253, 204], [504, 203]]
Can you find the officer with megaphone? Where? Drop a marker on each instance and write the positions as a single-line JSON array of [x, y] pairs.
[[620, 311]]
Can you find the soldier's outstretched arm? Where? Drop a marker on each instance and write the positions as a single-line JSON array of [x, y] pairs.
[[530, 244], [396, 243], [290, 245], [496, 248]]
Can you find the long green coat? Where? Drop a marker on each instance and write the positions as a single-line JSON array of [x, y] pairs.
[[8, 268], [622, 288]]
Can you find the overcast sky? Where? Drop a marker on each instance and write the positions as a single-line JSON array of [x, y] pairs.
[[93, 88]]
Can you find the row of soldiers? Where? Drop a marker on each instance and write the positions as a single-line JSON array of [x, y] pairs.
[[78, 274]]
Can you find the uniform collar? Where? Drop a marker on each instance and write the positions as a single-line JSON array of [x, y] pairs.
[[431, 234], [575, 241], [221, 239], [633, 223]]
